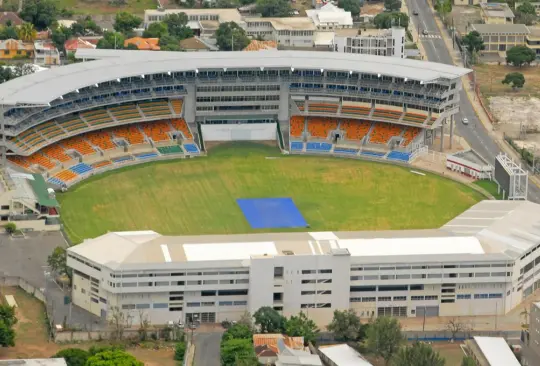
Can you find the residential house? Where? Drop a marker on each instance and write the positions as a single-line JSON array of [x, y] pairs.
[[10, 18], [530, 338], [288, 32], [267, 349], [330, 17], [73, 44], [341, 355], [291, 357], [496, 13], [499, 38], [491, 351], [195, 44], [13, 48], [255, 45], [46, 54], [147, 44]]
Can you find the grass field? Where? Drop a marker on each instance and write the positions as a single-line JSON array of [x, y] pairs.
[[490, 79], [82, 7], [490, 186], [198, 196]]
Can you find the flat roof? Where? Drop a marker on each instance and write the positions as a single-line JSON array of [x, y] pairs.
[[496, 351], [497, 10], [501, 28], [44, 87], [35, 362], [225, 15], [343, 355], [290, 23]]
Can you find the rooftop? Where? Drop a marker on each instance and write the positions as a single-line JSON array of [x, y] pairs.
[[10, 17], [471, 156], [330, 13], [497, 10], [44, 87], [496, 351], [343, 355], [256, 45], [496, 230], [501, 28], [292, 23], [225, 15], [35, 362]]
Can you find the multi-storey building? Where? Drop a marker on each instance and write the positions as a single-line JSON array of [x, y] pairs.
[[386, 42], [288, 32], [330, 17], [496, 13], [483, 262], [499, 38], [531, 337]]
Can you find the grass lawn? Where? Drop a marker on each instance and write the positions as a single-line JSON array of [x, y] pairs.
[[490, 79], [489, 186], [198, 196], [451, 352], [104, 7]]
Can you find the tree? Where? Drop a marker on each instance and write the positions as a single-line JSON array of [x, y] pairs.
[[111, 40], [474, 43], [345, 325], [234, 350], [10, 227], [169, 43], [454, 326], [387, 20], [60, 35], [7, 321], [419, 354], [237, 331], [351, 5], [9, 32], [230, 35], [515, 79], [41, 13], [520, 55], [86, 26], [27, 32], [444, 7], [525, 14], [57, 261], [301, 326], [468, 361], [274, 8], [125, 22], [392, 5], [269, 320], [190, 4], [73, 356], [156, 30], [384, 338], [179, 351], [226, 4], [177, 26], [113, 357]]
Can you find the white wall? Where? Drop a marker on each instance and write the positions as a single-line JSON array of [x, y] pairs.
[[240, 132]]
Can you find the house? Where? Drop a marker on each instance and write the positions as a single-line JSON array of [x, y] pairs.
[[533, 40], [255, 45], [379, 42], [290, 357], [330, 17], [73, 44], [491, 351], [288, 32], [195, 44], [10, 18], [496, 13], [530, 338], [267, 348], [12, 48], [342, 355], [148, 44], [46, 54], [499, 38]]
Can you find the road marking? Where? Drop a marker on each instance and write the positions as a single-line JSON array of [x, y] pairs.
[[432, 36]]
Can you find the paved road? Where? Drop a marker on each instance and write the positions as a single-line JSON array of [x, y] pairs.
[[474, 133], [207, 348]]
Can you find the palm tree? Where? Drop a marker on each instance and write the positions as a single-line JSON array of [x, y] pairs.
[[27, 32]]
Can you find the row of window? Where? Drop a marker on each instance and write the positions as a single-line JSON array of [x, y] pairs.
[[479, 296], [320, 292], [213, 303], [179, 274], [314, 271], [429, 275], [236, 88], [431, 266], [386, 288], [315, 306], [238, 98], [320, 280]]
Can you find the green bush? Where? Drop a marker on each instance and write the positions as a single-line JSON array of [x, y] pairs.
[[180, 351], [10, 227]]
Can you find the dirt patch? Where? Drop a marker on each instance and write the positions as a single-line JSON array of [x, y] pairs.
[[465, 15]]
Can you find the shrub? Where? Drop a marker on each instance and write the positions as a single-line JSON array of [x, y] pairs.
[[180, 351]]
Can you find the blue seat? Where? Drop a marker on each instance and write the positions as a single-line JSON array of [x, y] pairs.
[[56, 181], [319, 146], [81, 168], [146, 156], [398, 155], [191, 148], [373, 153], [296, 145], [345, 151], [122, 159]]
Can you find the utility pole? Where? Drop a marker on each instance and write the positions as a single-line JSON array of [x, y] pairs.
[[424, 320]]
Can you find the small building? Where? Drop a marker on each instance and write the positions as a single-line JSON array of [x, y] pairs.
[[13, 48], [330, 17], [34, 362], [491, 351], [469, 2], [342, 355], [469, 163], [379, 42], [66, 23], [288, 32], [195, 44], [530, 338], [283, 351], [255, 45], [146, 44], [533, 40], [10, 18], [74, 44], [496, 13], [499, 38], [46, 53]]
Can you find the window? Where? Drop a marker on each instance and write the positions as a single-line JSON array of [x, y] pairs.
[[432, 297], [175, 308], [447, 301], [481, 296], [160, 306], [368, 299], [5, 207], [193, 304], [325, 271], [307, 293], [232, 292], [208, 293], [278, 272], [94, 300], [495, 296], [400, 298], [308, 271], [384, 298], [363, 288], [142, 306], [128, 307], [416, 287], [417, 298], [463, 296], [393, 288]]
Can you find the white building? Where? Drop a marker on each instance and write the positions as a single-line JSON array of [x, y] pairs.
[[470, 163], [480, 263], [342, 355], [288, 32], [330, 17], [386, 42], [492, 351]]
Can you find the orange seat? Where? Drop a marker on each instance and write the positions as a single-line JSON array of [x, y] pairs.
[[101, 139], [131, 133], [41, 160], [382, 132], [56, 152], [101, 164], [181, 125], [19, 160], [79, 144], [66, 175], [323, 107], [387, 114], [409, 135], [157, 130], [321, 127], [355, 129], [177, 105], [297, 126]]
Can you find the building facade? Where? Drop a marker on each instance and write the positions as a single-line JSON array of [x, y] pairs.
[[530, 338], [388, 42], [458, 270], [496, 13], [288, 32], [499, 38]]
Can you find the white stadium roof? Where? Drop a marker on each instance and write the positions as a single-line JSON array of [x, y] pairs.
[[44, 87], [138, 250], [496, 351]]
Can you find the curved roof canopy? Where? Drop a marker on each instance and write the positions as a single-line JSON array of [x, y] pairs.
[[44, 87]]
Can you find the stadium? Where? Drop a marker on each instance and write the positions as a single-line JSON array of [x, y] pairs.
[[127, 108]]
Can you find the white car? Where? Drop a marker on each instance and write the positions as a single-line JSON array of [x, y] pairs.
[[465, 121]]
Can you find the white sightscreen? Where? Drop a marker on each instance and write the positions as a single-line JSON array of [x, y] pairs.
[[240, 132]]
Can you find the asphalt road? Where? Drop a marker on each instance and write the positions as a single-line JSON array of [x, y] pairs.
[[207, 348], [474, 133]]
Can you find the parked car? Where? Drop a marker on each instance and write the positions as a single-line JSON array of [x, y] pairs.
[[465, 121]]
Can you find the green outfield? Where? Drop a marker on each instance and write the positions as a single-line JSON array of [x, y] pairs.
[[197, 196]]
